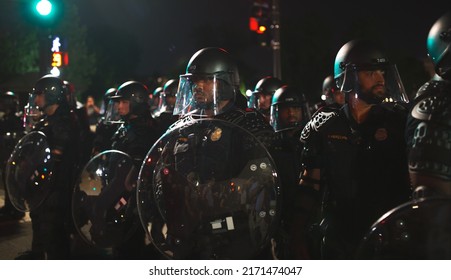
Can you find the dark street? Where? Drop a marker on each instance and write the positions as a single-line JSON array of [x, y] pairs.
[[15, 235]]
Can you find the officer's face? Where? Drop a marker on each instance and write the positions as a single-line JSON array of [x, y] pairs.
[[39, 100], [204, 90], [155, 101], [289, 115], [123, 107], [170, 100], [264, 101], [339, 97], [372, 82]]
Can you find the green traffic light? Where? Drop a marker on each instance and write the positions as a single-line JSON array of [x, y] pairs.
[[44, 7]]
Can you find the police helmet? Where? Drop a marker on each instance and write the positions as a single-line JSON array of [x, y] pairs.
[[169, 92], [9, 103], [265, 86], [138, 95], [53, 88], [284, 97], [365, 55], [216, 66], [439, 45], [329, 89], [111, 114]]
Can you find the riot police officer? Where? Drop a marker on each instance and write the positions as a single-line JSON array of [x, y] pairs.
[[51, 220], [289, 114], [11, 130], [203, 205], [138, 130], [355, 158], [196, 98], [86, 135], [420, 229], [331, 95], [427, 155], [135, 137], [262, 95], [166, 106], [107, 125], [154, 101]]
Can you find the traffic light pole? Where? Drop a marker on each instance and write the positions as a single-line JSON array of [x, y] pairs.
[[45, 14], [275, 42], [44, 51]]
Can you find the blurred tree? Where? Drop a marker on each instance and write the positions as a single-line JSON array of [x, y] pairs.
[[20, 33], [19, 51]]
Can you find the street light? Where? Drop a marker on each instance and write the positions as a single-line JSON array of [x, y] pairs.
[[44, 7]]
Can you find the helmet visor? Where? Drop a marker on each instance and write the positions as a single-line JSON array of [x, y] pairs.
[[166, 103], [112, 113], [202, 95], [389, 89], [31, 108], [289, 116]]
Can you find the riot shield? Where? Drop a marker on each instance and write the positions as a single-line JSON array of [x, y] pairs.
[[209, 189], [104, 200], [417, 230], [29, 172]]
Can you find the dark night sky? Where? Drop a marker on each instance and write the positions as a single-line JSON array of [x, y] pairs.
[[164, 28]]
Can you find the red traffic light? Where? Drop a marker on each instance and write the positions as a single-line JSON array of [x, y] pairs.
[[253, 24]]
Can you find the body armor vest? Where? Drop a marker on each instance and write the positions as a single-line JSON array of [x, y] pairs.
[[431, 144]]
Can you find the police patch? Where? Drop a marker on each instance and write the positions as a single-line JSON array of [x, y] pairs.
[[216, 134]]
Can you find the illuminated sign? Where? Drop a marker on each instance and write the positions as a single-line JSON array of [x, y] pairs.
[[59, 58]]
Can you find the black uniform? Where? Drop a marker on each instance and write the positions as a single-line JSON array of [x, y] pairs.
[[363, 171], [428, 129], [287, 149], [165, 120], [135, 137], [103, 138], [51, 221]]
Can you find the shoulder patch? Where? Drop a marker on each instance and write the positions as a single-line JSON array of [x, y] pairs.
[[316, 123]]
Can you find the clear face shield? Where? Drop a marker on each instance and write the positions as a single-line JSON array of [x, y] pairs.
[[32, 113], [112, 113], [289, 116], [203, 95], [252, 101], [32, 109], [378, 83], [166, 103]]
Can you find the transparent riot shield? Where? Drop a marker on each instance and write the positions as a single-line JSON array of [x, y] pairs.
[[209, 190], [104, 200], [417, 230], [29, 171]]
